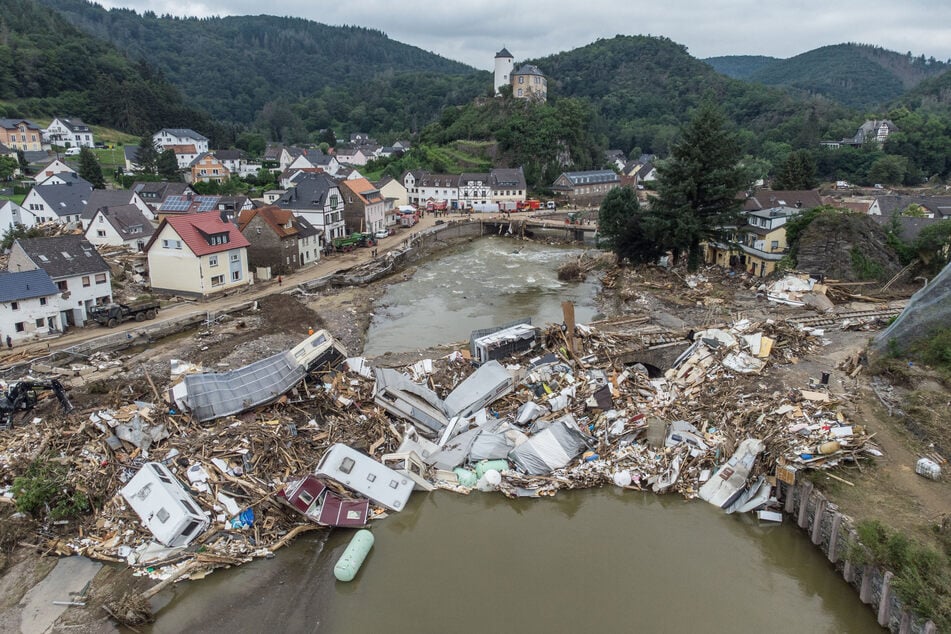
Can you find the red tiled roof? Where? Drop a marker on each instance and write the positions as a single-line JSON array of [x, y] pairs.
[[193, 229]]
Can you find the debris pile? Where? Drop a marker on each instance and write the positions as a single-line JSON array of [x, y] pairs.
[[563, 413]]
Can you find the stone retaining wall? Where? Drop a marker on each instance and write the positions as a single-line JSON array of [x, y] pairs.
[[832, 532]]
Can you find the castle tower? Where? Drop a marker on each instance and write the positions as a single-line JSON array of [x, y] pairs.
[[504, 63]]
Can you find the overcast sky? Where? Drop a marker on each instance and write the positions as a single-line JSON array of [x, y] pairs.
[[472, 31]]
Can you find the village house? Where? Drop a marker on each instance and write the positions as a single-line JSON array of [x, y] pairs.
[[62, 178], [80, 274], [762, 198], [938, 207], [100, 198], [585, 188], [279, 239], [393, 191], [197, 255], [13, 215], [21, 134], [364, 208], [507, 185], [29, 305], [422, 187], [871, 131], [236, 161], [155, 193], [53, 168], [758, 245], [352, 155], [170, 137], [185, 155], [289, 176], [59, 203], [207, 168], [528, 82], [317, 198], [68, 132], [119, 225]]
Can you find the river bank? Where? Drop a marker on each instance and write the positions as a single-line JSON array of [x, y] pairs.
[[233, 345]]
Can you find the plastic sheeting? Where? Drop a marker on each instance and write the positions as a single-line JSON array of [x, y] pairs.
[[550, 449], [928, 310]]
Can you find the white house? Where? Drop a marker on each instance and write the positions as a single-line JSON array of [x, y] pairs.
[[113, 198], [317, 198], [54, 168], [80, 274], [197, 255], [63, 203], [29, 305], [122, 225], [168, 137], [352, 156], [68, 132], [62, 178], [12, 214]]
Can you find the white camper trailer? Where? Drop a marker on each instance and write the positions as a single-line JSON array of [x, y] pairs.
[[364, 475], [164, 505]]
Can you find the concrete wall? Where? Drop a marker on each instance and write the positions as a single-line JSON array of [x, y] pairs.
[[832, 532]]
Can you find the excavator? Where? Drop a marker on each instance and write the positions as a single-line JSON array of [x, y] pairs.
[[22, 396]]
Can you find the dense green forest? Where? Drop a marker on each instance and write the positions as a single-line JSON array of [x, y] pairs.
[[294, 81], [48, 68], [739, 66], [233, 66], [856, 75]]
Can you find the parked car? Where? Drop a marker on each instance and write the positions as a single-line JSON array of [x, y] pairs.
[[382, 233]]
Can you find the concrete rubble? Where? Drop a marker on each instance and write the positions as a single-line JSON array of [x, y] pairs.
[[564, 414]]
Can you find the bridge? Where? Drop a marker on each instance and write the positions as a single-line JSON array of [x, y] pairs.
[[522, 224]]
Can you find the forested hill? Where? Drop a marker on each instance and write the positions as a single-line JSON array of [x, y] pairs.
[[856, 75], [739, 66], [233, 66], [644, 88], [49, 68]]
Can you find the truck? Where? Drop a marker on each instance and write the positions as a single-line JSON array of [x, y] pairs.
[[508, 205], [112, 315], [352, 241], [531, 204]]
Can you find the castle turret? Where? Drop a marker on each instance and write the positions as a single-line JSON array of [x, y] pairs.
[[504, 63]]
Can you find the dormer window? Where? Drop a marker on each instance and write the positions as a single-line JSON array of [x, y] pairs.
[[219, 238]]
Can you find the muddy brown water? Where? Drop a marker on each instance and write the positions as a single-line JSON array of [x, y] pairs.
[[604, 560]]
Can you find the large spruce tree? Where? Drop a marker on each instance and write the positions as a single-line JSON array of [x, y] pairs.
[[632, 233], [89, 168], [698, 184]]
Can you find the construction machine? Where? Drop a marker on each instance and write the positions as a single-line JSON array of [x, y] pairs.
[[22, 396]]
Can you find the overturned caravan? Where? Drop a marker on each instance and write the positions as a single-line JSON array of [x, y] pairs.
[[213, 395]]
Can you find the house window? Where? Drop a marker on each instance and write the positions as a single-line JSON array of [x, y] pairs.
[[235, 257], [217, 280], [61, 285], [19, 326], [521, 80], [85, 281], [101, 233], [42, 301], [212, 260], [14, 305], [100, 278], [39, 322], [774, 245], [235, 276], [171, 244]]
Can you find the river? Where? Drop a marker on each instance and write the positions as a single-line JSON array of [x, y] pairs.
[[604, 560]]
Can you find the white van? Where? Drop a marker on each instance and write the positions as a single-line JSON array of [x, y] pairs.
[[73, 151]]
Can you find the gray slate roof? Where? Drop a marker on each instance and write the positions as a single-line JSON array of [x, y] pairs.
[[310, 192], [129, 222], [183, 133], [507, 178], [25, 285], [106, 198], [74, 124], [81, 258], [68, 199]]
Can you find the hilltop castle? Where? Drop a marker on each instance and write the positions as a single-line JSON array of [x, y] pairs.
[[528, 82]]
